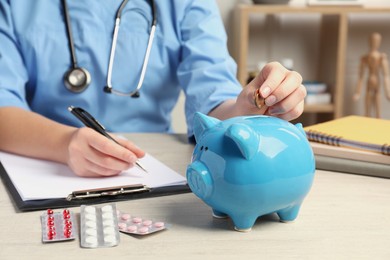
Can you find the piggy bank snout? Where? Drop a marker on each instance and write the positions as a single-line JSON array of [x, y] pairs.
[[199, 180]]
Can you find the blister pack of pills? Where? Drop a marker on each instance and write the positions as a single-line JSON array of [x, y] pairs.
[[58, 226], [136, 225], [99, 226]]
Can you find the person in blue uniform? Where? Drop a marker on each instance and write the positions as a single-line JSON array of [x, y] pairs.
[[125, 62]]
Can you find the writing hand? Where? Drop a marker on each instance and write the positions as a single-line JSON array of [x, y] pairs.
[[91, 154]]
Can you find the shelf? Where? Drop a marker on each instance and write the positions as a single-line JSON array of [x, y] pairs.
[[326, 108]]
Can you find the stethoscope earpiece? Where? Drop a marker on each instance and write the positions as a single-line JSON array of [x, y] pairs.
[[77, 79]]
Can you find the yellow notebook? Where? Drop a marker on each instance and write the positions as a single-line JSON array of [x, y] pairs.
[[353, 131]]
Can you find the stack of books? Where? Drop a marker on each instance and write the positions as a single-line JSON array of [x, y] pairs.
[[317, 93], [352, 144]]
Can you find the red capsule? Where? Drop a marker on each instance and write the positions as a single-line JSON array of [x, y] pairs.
[[50, 212], [68, 226], [50, 223], [51, 234], [51, 228], [67, 233]]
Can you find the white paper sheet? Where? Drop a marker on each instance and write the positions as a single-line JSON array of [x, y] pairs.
[[40, 179]]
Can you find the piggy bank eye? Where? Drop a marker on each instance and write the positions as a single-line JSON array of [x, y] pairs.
[[206, 148], [201, 148]]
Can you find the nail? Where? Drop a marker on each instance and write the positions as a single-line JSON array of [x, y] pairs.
[[270, 100], [265, 91]]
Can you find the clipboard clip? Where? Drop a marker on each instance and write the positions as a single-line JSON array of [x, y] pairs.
[[111, 191]]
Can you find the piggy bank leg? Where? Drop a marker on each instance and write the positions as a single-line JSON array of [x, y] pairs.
[[289, 214], [219, 214], [243, 223]]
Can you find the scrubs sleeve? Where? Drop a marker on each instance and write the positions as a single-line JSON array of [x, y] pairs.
[[13, 74], [207, 73]]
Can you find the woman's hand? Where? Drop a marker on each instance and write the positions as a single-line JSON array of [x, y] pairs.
[[281, 90], [91, 154]]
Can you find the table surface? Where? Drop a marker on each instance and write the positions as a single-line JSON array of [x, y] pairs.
[[344, 216]]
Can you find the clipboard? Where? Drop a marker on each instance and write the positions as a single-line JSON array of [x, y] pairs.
[[90, 196]]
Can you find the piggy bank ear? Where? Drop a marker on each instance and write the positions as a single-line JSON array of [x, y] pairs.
[[202, 123], [245, 138], [300, 128]]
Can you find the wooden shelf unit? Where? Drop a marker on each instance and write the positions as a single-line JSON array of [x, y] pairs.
[[333, 44]]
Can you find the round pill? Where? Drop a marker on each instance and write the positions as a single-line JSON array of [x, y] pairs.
[[143, 230], [159, 224], [125, 217], [107, 215], [110, 239], [50, 211], [90, 216], [122, 226], [147, 223], [92, 240], [108, 223], [107, 208], [109, 231], [91, 232], [132, 228], [50, 223], [90, 209], [90, 224], [137, 220]]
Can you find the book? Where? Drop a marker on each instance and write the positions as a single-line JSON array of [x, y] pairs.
[[357, 132], [349, 153], [352, 166]]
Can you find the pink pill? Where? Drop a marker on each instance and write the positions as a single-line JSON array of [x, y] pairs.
[[125, 216], [132, 228], [137, 220], [122, 226], [147, 223], [159, 224], [143, 230]]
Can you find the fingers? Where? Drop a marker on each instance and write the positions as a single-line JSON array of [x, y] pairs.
[[91, 154], [282, 91], [291, 114], [289, 103]]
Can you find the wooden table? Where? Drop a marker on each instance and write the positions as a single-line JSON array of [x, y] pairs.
[[344, 217]]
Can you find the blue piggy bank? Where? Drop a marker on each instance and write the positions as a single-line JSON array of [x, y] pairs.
[[249, 166]]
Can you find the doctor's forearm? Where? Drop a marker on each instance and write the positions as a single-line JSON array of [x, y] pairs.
[[27, 133]]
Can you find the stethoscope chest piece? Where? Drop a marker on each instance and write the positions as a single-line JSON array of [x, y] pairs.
[[77, 79]]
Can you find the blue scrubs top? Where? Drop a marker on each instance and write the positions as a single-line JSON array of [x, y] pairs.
[[189, 53]]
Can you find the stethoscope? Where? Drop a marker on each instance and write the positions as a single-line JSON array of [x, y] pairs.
[[77, 79]]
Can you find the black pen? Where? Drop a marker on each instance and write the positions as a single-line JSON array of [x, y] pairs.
[[89, 121]]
